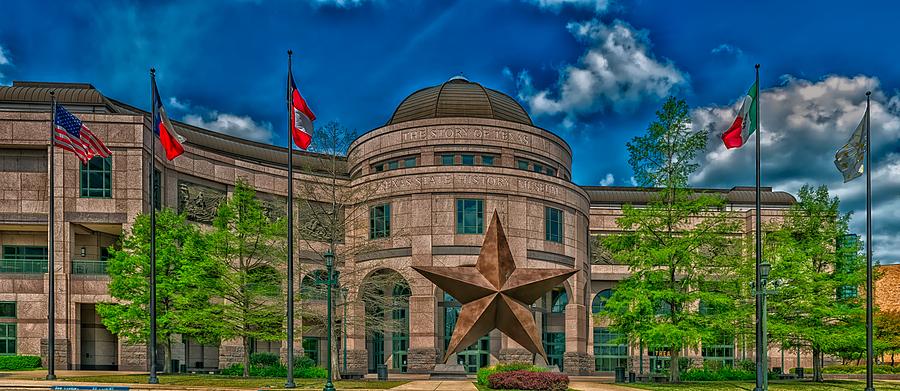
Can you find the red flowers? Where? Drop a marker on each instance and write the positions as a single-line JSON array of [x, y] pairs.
[[526, 380]]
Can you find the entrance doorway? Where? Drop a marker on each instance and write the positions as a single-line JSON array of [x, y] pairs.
[[98, 346]]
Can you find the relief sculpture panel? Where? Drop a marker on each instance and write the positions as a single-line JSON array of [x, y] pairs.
[[199, 203]]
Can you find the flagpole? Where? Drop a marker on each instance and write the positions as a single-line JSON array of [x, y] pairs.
[[761, 354], [153, 378], [51, 305], [290, 237], [869, 308]]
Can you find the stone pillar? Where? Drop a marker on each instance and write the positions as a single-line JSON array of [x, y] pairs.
[[61, 353], [231, 352], [133, 357], [421, 360], [357, 355], [423, 353]]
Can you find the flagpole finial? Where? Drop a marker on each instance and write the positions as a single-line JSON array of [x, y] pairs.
[[290, 52], [868, 93], [757, 66], [152, 71]]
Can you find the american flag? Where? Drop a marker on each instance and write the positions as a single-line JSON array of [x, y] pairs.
[[72, 135]]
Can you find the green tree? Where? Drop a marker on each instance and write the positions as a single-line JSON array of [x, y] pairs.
[[250, 248], [887, 329], [817, 272], [186, 280], [679, 247]]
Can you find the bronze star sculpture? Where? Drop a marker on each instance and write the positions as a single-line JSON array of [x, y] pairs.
[[495, 294]]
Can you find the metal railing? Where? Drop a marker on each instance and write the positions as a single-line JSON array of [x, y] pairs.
[[82, 266], [23, 266]]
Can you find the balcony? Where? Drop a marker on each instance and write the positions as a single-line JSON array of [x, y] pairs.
[[89, 267], [23, 266]]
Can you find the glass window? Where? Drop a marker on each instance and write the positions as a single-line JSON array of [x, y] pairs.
[[393, 165], [610, 350], [378, 167], [522, 164], [7, 309], [380, 221], [7, 339], [487, 160], [553, 226], [96, 178], [311, 348], [560, 299], [409, 162], [447, 160], [719, 348], [469, 216], [468, 160], [24, 259], [551, 171], [599, 302], [537, 168]]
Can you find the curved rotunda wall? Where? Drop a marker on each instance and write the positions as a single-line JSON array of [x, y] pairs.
[[423, 209]]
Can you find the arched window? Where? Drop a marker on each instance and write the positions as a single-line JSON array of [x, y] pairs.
[[559, 300], [599, 302]]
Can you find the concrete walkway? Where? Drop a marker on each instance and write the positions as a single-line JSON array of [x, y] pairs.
[[438, 385], [597, 386]]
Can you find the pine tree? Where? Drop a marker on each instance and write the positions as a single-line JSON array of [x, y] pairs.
[[679, 247]]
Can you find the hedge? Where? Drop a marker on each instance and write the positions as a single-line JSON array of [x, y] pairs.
[[485, 372], [276, 371], [878, 369], [722, 374], [17, 363], [527, 380]]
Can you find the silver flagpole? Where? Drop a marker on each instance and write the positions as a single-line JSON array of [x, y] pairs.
[[762, 366], [290, 237], [153, 379], [870, 351], [51, 237]]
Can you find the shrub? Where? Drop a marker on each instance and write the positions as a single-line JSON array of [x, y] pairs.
[[303, 362], [747, 365], [278, 370], [264, 359], [722, 374], [485, 372], [878, 369], [527, 380], [18, 363]]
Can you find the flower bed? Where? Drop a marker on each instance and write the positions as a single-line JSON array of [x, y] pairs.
[[527, 380]]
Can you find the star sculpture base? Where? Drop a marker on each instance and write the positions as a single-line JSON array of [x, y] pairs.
[[495, 294]]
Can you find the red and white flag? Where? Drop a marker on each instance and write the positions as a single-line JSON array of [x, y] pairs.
[[302, 116]]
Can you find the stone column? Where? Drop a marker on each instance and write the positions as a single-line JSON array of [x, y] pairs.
[[357, 355], [423, 353], [576, 360]]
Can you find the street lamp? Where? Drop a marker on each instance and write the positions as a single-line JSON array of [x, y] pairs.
[[764, 269], [329, 265]]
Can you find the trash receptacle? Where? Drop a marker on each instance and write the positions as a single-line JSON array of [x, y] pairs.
[[799, 372], [631, 377], [620, 374], [382, 372]]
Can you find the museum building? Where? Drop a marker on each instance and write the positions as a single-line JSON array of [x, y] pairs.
[[417, 191]]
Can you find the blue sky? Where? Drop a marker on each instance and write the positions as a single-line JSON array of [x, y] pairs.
[[593, 71]]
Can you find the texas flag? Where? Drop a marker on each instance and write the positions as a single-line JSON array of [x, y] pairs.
[[301, 116], [170, 140]]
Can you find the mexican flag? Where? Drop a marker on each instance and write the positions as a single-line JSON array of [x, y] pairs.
[[745, 123]]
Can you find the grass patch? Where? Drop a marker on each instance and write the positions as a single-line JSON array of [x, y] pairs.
[[232, 381], [834, 385]]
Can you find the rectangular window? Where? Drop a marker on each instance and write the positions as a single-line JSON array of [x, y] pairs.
[[553, 226], [378, 167], [96, 178], [551, 171], [380, 221], [447, 160], [487, 160], [24, 259], [719, 348], [469, 216], [7, 339], [522, 164], [393, 165], [311, 348], [409, 162], [468, 160], [7, 309], [610, 351], [537, 168]]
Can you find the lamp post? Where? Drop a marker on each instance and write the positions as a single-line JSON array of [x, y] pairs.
[[329, 265], [763, 360]]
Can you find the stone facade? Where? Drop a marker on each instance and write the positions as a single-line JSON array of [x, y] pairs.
[[421, 167]]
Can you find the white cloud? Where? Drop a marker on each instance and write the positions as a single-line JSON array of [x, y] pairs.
[[608, 180], [174, 102], [803, 124], [616, 72], [4, 61], [231, 124], [599, 6], [339, 3], [726, 49]]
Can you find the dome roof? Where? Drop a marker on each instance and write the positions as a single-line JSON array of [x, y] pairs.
[[459, 97]]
